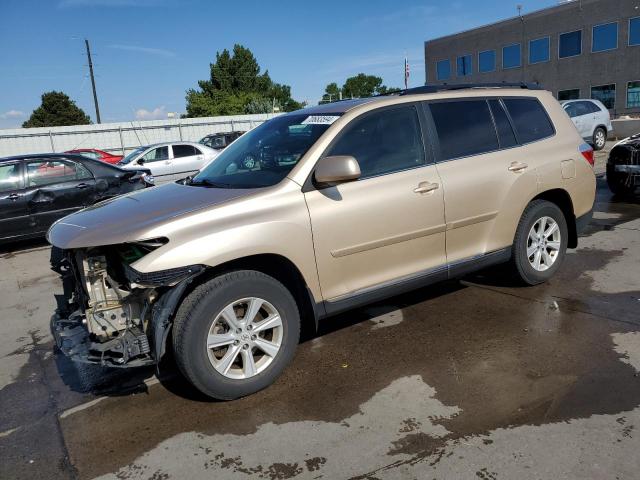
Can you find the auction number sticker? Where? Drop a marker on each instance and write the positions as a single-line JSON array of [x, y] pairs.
[[320, 119]]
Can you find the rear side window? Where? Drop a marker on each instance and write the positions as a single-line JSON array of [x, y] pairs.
[[529, 119], [384, 141], [464, 128], [506, 137], [42, 172], [184, 151]]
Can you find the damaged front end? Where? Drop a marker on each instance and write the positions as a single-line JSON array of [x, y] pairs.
[[623, 166], [110, 313]]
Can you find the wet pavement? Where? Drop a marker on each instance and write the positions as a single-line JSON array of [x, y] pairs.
[[466, 379]]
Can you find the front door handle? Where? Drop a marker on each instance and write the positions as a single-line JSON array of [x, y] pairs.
[[426, 187], [14, 196], [517, 167], [82, 185]]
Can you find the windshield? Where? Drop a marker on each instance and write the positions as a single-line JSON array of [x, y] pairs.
[[132, 155], [266, 154]]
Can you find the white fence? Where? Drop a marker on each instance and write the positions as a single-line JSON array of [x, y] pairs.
[[119, 138]]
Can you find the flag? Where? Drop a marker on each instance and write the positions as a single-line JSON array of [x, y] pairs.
[[406, 73]]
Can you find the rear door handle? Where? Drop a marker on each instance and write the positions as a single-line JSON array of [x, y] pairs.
[[426, 187], [14, 196], [82, 185], [517, 166]]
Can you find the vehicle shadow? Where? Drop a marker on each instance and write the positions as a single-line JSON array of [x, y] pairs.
[[9, 249]]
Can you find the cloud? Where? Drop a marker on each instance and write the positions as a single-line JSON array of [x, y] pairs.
[[157, 113], [109, 3], [12, 114], [146, 50]]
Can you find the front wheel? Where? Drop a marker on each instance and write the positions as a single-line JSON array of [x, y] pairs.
[[540, 243], [236, 333]]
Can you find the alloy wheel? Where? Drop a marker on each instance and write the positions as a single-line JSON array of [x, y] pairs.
[[543, 243], [244, 338]]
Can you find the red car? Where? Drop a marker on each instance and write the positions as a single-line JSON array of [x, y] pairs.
[[97, 154]]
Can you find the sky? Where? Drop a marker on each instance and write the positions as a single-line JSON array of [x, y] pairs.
[[147, 53]]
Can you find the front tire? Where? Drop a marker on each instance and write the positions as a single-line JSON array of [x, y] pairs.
[[599, 138], [236, 333], [540, 243]]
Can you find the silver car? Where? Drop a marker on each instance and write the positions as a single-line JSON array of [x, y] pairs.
[[170, 161], [592, 120]]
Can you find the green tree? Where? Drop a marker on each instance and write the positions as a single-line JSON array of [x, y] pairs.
[[56, 110], [236, 86], [358, 86]]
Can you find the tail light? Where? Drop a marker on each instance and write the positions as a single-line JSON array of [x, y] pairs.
[[587, 152]]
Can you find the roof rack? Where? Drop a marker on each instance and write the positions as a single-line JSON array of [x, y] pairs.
[[463, 86]]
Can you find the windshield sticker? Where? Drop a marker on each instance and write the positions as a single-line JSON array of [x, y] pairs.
[[320, 120]]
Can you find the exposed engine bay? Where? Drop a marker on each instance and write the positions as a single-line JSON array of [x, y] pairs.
[[110, 313], [624, 162]]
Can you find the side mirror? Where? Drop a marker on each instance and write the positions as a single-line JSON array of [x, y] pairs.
[[140, 161], [337, 169]]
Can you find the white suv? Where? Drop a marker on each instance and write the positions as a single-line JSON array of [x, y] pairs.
[[592, 120]]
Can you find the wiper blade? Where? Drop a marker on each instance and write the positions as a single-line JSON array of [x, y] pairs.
[[205, 182]]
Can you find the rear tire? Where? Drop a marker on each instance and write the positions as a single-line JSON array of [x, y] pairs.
[[599, 138], [540, 242], [237, 365]]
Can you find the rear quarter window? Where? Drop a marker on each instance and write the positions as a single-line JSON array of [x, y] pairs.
[[530, 119]]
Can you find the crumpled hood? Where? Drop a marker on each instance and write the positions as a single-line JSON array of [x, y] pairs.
[[129, 217]]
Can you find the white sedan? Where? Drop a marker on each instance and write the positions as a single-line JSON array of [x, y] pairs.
[[170, 161]]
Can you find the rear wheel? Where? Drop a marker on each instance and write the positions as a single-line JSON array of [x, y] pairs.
[[235, 334], [540, 242], [599, 138]]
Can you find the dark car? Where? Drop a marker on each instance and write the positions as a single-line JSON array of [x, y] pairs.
[[219, 141], [623, 166], [37, 190]]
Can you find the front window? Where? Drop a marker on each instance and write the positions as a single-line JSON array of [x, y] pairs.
[[443, 70], [266, 154], [156, 154], [511, 56], [633, 94], [539, 50], [570, 44], [605, 37], [129, 158], [606, 94], [464, 66], [10, 177]]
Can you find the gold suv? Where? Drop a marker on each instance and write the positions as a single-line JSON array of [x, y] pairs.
[[316, 212]]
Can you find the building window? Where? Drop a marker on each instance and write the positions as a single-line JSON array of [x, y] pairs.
[[570, 44], [605, 37], [539, 50], [633, 94], [464, 66], [511, 56], [487, 61], [634, 31], [571, 94], [443, 70], [606, 94]]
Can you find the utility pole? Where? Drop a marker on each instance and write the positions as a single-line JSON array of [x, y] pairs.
[[93, 81]]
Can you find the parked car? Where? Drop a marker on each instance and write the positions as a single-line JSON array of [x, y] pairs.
[[592, 120], [97, 155], [623, 166], [219, 141], [36, 190], [170, 161], [347, 203]]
